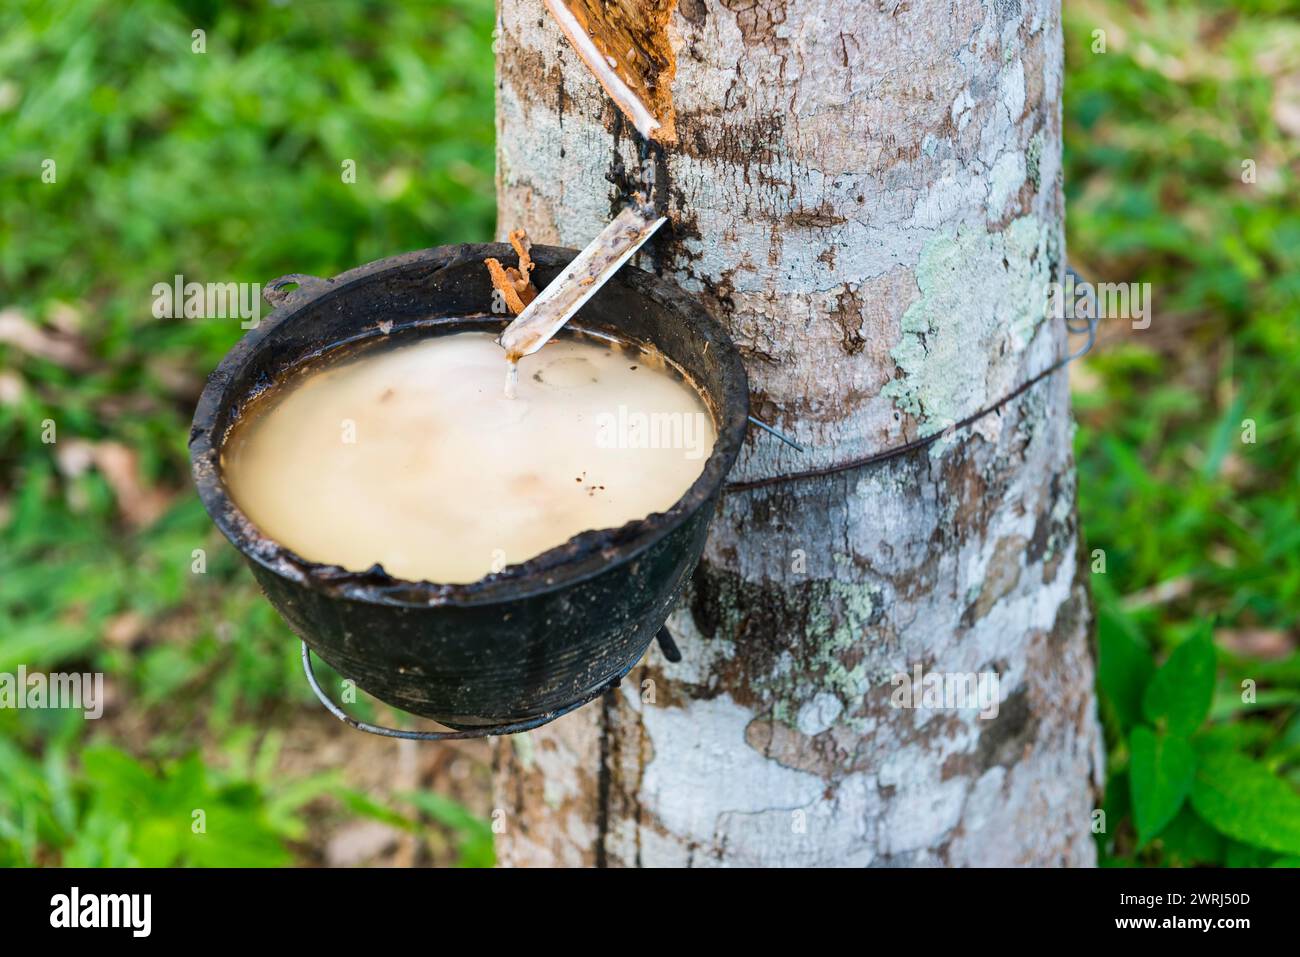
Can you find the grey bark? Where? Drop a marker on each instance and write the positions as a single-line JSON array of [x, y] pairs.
[[869, 197]]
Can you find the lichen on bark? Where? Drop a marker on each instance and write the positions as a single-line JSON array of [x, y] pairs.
[[995, 281]]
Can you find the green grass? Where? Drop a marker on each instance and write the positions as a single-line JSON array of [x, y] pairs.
[[226, 166], [1157, 130]]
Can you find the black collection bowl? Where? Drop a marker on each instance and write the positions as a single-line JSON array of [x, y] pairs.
[[537, 637]]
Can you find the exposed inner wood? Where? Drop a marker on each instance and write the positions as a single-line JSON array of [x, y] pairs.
[[515, 284], [632, 35]]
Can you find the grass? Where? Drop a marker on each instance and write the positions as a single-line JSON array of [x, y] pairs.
[[1189, 431], [227, 165], [222, 165]]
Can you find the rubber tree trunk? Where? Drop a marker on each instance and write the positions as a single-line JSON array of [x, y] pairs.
[[869, 196]]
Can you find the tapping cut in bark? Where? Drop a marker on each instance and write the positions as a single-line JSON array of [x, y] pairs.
[[625, 44]]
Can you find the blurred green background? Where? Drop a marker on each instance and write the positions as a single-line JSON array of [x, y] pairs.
[[226, 166]]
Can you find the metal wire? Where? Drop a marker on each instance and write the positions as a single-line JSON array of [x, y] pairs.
[[1077, 325], [780, 435]]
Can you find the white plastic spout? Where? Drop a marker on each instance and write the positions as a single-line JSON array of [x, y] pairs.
[[558, 302]]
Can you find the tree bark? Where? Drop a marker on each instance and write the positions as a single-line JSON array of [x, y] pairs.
[[869, 197]]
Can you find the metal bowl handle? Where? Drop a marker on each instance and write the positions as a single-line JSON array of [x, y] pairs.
[[665, 643]]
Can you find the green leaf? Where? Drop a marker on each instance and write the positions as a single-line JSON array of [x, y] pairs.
[[1180, 693], [473, 834], [1240, 856], [1222, 438], [1124, 665], [62, 804], [1228, 703], [1189, 840], [235, 837], [363, 806], [446, 811], [1161, 771], [120, 781], [1244, 800], [157, 841]]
